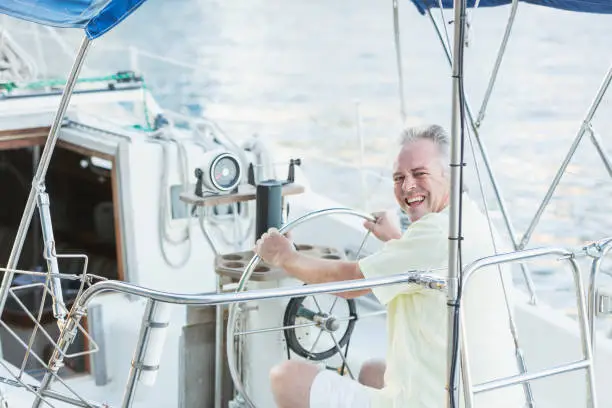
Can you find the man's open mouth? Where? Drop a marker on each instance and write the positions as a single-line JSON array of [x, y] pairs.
[[414, 201]]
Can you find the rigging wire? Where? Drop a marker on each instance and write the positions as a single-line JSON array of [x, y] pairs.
[[444, 23], [510, 313]]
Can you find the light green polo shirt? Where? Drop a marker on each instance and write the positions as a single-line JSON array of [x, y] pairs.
[[417, 318]]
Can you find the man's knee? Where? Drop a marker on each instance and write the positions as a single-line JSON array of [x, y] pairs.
[[277, 374], [285, 372], [291, 381], [372, 374]]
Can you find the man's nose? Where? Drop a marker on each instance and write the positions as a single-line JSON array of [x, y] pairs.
[[408, 184]]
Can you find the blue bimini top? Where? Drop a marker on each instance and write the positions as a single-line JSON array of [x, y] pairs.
[[584, 6], [96, 17]]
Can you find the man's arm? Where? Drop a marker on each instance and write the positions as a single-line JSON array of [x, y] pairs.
[[315, 270], [277, 250]]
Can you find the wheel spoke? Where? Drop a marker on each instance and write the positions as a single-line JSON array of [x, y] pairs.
[[295, 326], [317, 303], [314, 344], [365, 238], [341, 355], [333, 305]]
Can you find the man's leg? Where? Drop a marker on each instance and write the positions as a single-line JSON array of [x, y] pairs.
[[372, 373], [291, 382]]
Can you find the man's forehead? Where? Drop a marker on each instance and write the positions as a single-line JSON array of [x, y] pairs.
[[414, 155]]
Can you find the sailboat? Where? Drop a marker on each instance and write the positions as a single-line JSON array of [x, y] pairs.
[[130, 278]]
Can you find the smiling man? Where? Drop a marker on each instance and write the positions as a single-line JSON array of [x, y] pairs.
[[414, 373], [421, 185]]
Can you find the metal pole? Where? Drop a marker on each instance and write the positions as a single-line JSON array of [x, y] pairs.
[[588, 362], [553, 185], [69, 400], [500, 56], [95, 323], [454, 268], [585, 126], [41, 171], [592, 295], [494, 184], [35, 226], [466, 376], [398, 55], [600, 149], [218, 348], [68, 333], [143, 337], [218, 313], [603, 249], [59, 308], [505, 382], [422, 278]]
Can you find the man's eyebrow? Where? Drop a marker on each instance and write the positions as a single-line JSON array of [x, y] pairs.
[[420, 168]]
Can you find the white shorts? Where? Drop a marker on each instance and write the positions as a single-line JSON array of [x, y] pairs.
[[330, 390]]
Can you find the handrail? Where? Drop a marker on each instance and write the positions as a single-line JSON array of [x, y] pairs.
[[602, 248], [213, 298], [586, 363]]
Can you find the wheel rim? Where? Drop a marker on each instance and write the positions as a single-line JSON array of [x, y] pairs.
[[248, 271], [292, 312]]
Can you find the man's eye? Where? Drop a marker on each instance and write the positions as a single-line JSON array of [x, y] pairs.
[[420, 173]]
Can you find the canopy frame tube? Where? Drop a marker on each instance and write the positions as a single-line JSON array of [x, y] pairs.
[[585, 127], [38, 181]]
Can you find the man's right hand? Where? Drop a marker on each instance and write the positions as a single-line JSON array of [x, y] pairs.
[[384, 228], [274, 248]]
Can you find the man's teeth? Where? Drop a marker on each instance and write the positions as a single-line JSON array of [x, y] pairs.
[[415, 199]]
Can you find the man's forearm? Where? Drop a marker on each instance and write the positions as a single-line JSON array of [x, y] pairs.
[[316, 270]]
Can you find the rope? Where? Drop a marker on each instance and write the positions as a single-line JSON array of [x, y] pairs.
[[163, 229]]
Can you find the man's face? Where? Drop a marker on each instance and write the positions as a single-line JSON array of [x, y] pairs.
[[420, 184]]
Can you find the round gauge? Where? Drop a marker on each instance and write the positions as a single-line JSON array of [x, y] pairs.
[[224, 172]]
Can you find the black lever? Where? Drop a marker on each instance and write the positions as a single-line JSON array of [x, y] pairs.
[[292, 164], [251, 175], [199, 191]]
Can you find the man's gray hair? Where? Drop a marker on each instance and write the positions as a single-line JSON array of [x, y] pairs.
[[434, 133]]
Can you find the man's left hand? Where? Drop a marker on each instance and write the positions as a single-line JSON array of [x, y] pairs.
[[274, 248]]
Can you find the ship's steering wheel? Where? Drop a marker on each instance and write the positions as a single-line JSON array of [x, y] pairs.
[[296, 308]]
